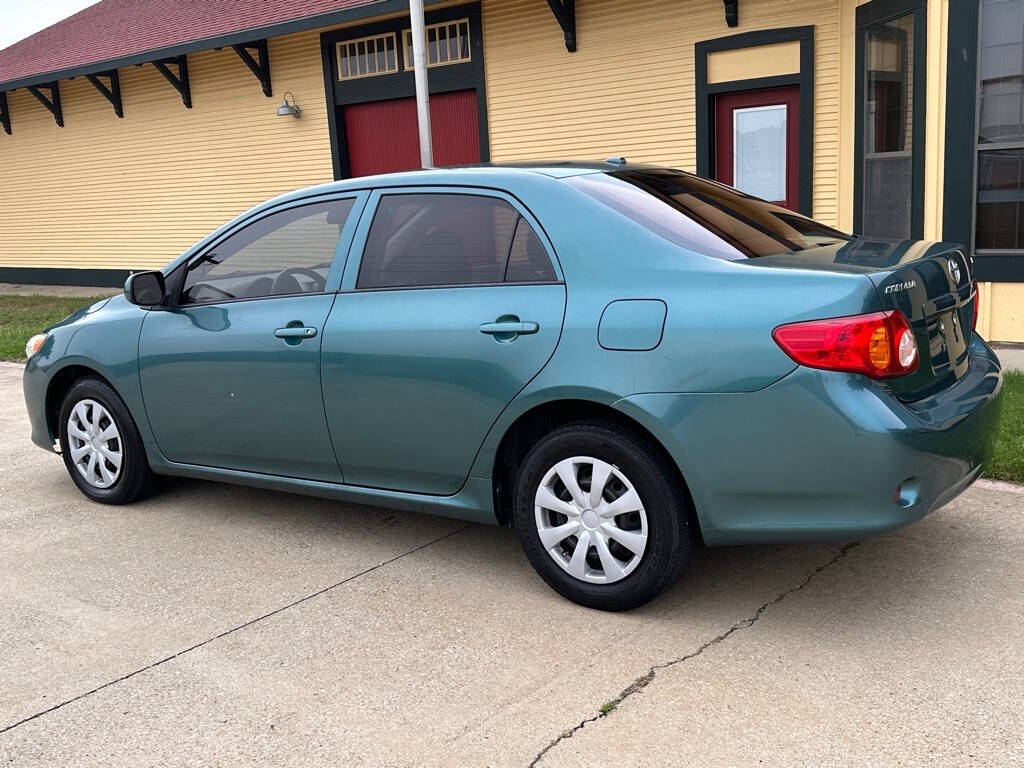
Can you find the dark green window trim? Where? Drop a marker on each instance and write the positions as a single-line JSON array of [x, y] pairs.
[[804, 79], [92, 278], [960, 185], [869, 15]]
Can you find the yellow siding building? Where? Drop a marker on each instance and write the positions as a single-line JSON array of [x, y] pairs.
[[894, 118]]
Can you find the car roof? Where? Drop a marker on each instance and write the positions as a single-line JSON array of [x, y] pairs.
[[486, 174]]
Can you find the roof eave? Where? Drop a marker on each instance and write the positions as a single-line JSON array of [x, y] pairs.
[[377, 8]]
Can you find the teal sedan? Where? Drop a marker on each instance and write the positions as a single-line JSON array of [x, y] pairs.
[[618, 361]]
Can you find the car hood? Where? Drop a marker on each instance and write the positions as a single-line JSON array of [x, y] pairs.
[[86, 311]]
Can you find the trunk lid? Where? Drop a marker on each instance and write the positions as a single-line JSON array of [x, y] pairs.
[[932, 283]]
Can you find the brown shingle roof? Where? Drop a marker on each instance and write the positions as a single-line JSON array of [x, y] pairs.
[[116, 32]]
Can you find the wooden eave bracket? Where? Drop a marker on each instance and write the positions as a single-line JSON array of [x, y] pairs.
[[111, 90], [732, 12], [258, 64], [180, 79], [51, 102], [565, 15], [5, 113]]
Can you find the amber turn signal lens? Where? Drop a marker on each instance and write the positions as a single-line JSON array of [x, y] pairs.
[[34, 344], [879, 344], [878, 348]]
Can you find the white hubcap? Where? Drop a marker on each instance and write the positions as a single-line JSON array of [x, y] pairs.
[[94, 443], [590, 520]]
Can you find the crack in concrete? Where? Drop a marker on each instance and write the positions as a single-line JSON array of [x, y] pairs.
[[644, 680], [234, 629]]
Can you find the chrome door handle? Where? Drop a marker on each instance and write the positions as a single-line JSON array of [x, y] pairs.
[[295, 332], [516, 328]]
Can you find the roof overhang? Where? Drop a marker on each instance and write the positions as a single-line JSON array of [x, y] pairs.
[[369, 10]]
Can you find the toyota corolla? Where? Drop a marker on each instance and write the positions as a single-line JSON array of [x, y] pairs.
[[618, 361]]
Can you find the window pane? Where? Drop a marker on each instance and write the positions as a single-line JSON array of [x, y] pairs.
[[888, 128], [704, 216], [420, 240], [998, 221], [1001, 64], [759, 151], [528, 261], [285, 253], [433, 55]]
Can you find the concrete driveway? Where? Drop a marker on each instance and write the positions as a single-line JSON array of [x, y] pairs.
[[221, 625]]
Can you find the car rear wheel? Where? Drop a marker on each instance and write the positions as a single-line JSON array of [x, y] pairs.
[[101, 445], [601, 516]]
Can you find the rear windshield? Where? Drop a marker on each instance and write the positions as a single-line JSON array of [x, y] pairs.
[[705, 216]]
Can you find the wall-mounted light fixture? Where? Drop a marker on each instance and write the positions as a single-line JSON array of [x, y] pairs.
[[287, 109]]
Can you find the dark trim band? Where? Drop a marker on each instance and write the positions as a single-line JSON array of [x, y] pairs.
[[999, 267], [869, 15], [961, 101], [804, 79], [90, 278]]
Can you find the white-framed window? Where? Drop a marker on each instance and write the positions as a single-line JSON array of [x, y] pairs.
[[367, 56], [447, 43]]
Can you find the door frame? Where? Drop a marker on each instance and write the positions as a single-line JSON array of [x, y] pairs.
[[868, 15], [176, 277], [358, 242], [401, 84], [706, 93], [762, 98]]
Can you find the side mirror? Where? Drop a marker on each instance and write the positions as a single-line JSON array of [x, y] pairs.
[[145, 288]]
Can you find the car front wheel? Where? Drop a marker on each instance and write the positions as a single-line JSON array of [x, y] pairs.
[[601, 516], [101, 445]]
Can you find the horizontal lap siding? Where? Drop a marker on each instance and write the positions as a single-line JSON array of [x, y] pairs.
[[107, 193], [629, 89]]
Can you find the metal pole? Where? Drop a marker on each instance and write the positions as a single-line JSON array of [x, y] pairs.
[[419, 60]]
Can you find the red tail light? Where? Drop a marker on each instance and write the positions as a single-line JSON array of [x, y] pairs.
[[879, 345], [974, 312]]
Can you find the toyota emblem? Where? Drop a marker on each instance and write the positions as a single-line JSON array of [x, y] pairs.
[[954, 270]]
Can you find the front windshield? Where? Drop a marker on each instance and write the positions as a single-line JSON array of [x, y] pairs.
[[705, 216]]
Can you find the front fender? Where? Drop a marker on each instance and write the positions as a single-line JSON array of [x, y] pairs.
[[105, 340]]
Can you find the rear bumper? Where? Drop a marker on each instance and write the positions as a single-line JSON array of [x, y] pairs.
[[823, 455]]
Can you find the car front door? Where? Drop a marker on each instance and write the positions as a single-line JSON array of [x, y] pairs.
[[454, 306], [231, 373]]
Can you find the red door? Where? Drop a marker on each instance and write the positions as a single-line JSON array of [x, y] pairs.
[[382, 136], [757, 143]]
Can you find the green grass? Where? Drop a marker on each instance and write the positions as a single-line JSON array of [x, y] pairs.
[[24, 316], [1008, 461]]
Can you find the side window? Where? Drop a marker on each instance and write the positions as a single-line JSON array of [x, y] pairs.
[[528, 262], [285, 253], [437, 239]]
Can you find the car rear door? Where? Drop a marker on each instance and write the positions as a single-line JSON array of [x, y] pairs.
[[456, 303], [231, 373]]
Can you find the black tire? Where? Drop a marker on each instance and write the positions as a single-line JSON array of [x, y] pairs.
[[135, 480], [670, 539]]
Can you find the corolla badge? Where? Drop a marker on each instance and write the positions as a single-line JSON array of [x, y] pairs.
[[954, 270], [904, 286]]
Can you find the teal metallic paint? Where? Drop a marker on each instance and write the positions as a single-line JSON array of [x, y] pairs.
[[411, 385], [633, 325], [819, 454], [222, 390], [770, 451], [473, 502], [102, 337]]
